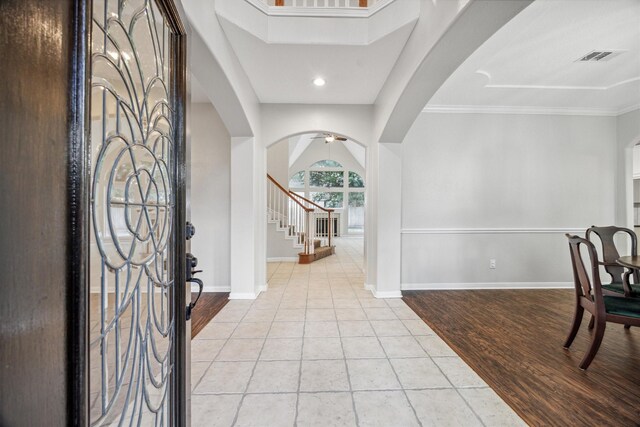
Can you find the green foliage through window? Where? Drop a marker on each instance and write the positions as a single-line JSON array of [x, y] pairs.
[[356, 200], [355, 180], [297, 180], [330, 179], [326, 164], [328, 200]]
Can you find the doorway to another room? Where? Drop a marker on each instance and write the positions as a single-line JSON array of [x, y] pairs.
[[318, 177], [636, 189]]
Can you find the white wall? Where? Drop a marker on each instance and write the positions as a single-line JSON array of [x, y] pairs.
[[210, 196], [483, 186], [278, 162], [279, 248]]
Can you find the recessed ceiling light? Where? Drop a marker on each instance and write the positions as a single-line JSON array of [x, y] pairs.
[[319, 81]]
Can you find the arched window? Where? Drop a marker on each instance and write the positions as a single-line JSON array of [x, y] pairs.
[[355, 180], [326, 164], [332, 185], [297, 180]]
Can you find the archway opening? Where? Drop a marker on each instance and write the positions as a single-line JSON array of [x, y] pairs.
[[329, 171], [633, 202]]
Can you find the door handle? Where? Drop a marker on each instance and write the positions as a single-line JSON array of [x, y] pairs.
[[191, 264]]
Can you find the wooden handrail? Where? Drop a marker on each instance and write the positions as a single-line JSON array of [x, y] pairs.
[[309, 201], [288, 193]]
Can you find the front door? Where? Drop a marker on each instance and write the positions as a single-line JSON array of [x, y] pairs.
[[137, 251]]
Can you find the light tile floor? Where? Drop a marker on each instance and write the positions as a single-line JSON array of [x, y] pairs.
[[317, 349]]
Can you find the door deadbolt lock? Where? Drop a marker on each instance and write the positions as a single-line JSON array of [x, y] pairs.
[[190, 230], [191, 264]]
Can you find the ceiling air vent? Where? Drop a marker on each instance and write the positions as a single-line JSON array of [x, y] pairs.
[[599, 55]]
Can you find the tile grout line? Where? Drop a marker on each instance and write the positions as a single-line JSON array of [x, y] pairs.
[[237, 412], [218, 352], [335, 391], [346, 367], [415, 414], [304, 327]]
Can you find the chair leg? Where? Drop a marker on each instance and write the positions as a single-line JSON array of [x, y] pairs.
[[595, 345], [592, 322], [577, 320]]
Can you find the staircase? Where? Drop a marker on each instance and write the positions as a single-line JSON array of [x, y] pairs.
[[307, 224]]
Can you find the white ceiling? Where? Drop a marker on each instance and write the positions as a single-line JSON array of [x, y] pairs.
[[299, 144], [283, 73], [531, 61]]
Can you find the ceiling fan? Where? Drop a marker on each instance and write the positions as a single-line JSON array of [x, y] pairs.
[[330, 137]]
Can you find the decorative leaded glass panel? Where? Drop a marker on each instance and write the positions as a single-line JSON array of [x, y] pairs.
[[132, 212]]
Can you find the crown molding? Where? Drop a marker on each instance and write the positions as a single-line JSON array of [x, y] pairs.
[[503, 109], [629, 109], [556, 87]]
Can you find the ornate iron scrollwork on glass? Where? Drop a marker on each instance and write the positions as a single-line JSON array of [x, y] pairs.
[[132, 253]]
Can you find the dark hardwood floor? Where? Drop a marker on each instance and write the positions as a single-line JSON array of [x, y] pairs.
[[513, 340], [209, 304]]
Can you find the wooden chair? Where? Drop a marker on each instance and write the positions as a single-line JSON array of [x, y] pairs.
[[589, 296], [619, 279]]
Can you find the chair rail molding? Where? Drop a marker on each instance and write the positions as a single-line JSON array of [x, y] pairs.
[[527, 230]]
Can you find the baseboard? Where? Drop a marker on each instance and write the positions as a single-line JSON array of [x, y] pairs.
[[263, 288], [243, 295], [216, 289], [283, 259], [387, 294], [369, 287], [484, 285]]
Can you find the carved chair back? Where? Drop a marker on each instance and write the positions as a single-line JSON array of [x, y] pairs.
[[610, 252]]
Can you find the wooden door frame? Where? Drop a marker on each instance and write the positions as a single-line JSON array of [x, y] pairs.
[[177, 19], [79, 212]]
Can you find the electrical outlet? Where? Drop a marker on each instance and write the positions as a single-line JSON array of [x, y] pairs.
[[492, 264]]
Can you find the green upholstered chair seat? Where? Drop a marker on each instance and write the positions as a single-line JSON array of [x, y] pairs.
[[617, 287], [622, 306]]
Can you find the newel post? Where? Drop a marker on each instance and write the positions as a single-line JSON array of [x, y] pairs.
[[330, 227]]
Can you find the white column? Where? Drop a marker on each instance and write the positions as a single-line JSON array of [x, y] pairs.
[[260, 217], [384, 241], [248, 215]]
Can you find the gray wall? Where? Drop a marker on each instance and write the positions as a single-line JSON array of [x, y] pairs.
[[210, 196], [628, 135], [506, 187]]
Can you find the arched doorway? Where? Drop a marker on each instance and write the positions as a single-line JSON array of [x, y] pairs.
[[329, 171]]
